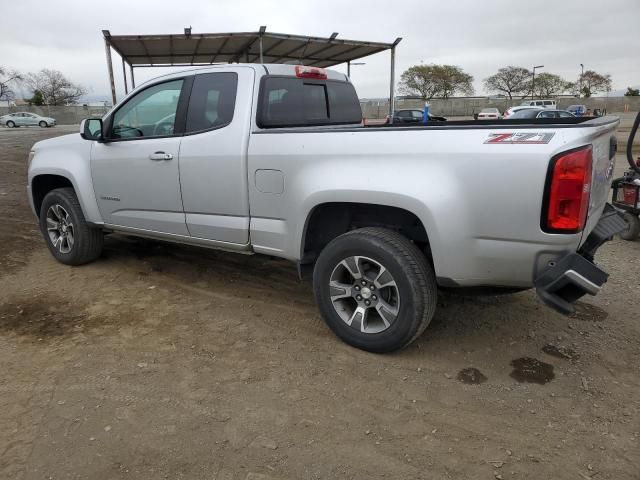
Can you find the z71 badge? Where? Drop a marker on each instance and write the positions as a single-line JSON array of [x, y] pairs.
[[535, 138]]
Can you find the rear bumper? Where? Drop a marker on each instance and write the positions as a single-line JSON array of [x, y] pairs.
[[575, 274]]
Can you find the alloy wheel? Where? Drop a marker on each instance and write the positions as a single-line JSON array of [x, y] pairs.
[[364, 294], [60, 228]]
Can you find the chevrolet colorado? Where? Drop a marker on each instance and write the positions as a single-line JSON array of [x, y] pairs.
[[273, 159]]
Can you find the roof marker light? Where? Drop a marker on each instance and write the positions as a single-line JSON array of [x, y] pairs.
[[303, 71]]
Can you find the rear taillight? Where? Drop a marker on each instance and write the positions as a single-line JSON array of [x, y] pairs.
[[629, 195], [567, 193], [303, 71]]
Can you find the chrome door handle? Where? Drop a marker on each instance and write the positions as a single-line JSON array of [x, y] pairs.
[[160, 156]]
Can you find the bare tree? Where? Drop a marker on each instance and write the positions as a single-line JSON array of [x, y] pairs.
[[429, 81], [548, 85], [8, 78], [56, 89], [594, 82], [510, 81]]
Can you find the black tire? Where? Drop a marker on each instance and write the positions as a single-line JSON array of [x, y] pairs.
[[43, 124], [87, 241], [633, 230], [414, 279], [11, 124]]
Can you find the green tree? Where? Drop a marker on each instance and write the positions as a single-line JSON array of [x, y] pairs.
[[429, 81], [452, 80], [548, 85], [632, 92], [510, 81], [37, 98]]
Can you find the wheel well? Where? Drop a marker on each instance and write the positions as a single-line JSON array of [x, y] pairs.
[[43, 184], [329, 220]]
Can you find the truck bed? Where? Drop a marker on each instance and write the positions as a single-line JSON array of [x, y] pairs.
[[506, 123]]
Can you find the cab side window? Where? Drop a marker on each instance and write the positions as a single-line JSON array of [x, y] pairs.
[[150, 113], [212, 101]]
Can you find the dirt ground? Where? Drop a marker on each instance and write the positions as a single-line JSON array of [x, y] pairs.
[[167, 362]]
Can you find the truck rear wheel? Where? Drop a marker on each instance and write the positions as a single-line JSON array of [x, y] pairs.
[[375, 289], [69, 238], [633, 224]]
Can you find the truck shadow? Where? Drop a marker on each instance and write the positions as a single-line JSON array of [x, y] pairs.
[[275, 281]]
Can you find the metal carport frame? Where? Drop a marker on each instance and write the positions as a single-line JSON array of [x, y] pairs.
[[201, 49]]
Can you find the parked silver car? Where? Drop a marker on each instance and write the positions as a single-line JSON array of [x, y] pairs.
[[541, 113], [24, 119]]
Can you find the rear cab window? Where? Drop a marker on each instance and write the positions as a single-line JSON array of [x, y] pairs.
[[301, 102], [212, 101]]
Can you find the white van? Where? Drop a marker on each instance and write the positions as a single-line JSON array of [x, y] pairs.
[[551, 104]]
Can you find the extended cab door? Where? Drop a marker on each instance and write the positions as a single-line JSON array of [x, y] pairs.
[[213, 156], [135, 171]]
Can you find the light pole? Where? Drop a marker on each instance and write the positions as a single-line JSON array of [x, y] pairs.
[[581, 75], [533, 80], [349, 64]]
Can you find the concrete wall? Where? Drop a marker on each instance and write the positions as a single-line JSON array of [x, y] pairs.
[[63, 115], [469, 106], [371, 109]]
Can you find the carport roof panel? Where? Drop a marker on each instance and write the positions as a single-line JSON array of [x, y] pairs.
[[208, 48]]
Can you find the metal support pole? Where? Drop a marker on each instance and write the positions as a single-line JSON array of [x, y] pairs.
[[124, 76], [107, 47], [263, 29], [349, 68], [392, 99], [261, 59], [133, 80], [533, 83]]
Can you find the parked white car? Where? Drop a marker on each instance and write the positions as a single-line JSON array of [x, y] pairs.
[[25, 119], [489, 114]]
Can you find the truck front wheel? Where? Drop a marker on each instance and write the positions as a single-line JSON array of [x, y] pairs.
[[69, 238], [375, 289]]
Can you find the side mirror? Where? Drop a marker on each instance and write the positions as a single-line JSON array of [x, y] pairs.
[[91, 129]]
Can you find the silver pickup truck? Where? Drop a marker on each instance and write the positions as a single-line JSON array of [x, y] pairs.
[[273, 159]]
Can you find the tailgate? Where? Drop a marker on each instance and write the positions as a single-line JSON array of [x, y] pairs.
[[604, 145]]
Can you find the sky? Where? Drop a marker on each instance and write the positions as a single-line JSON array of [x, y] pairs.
[[479, 36]]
